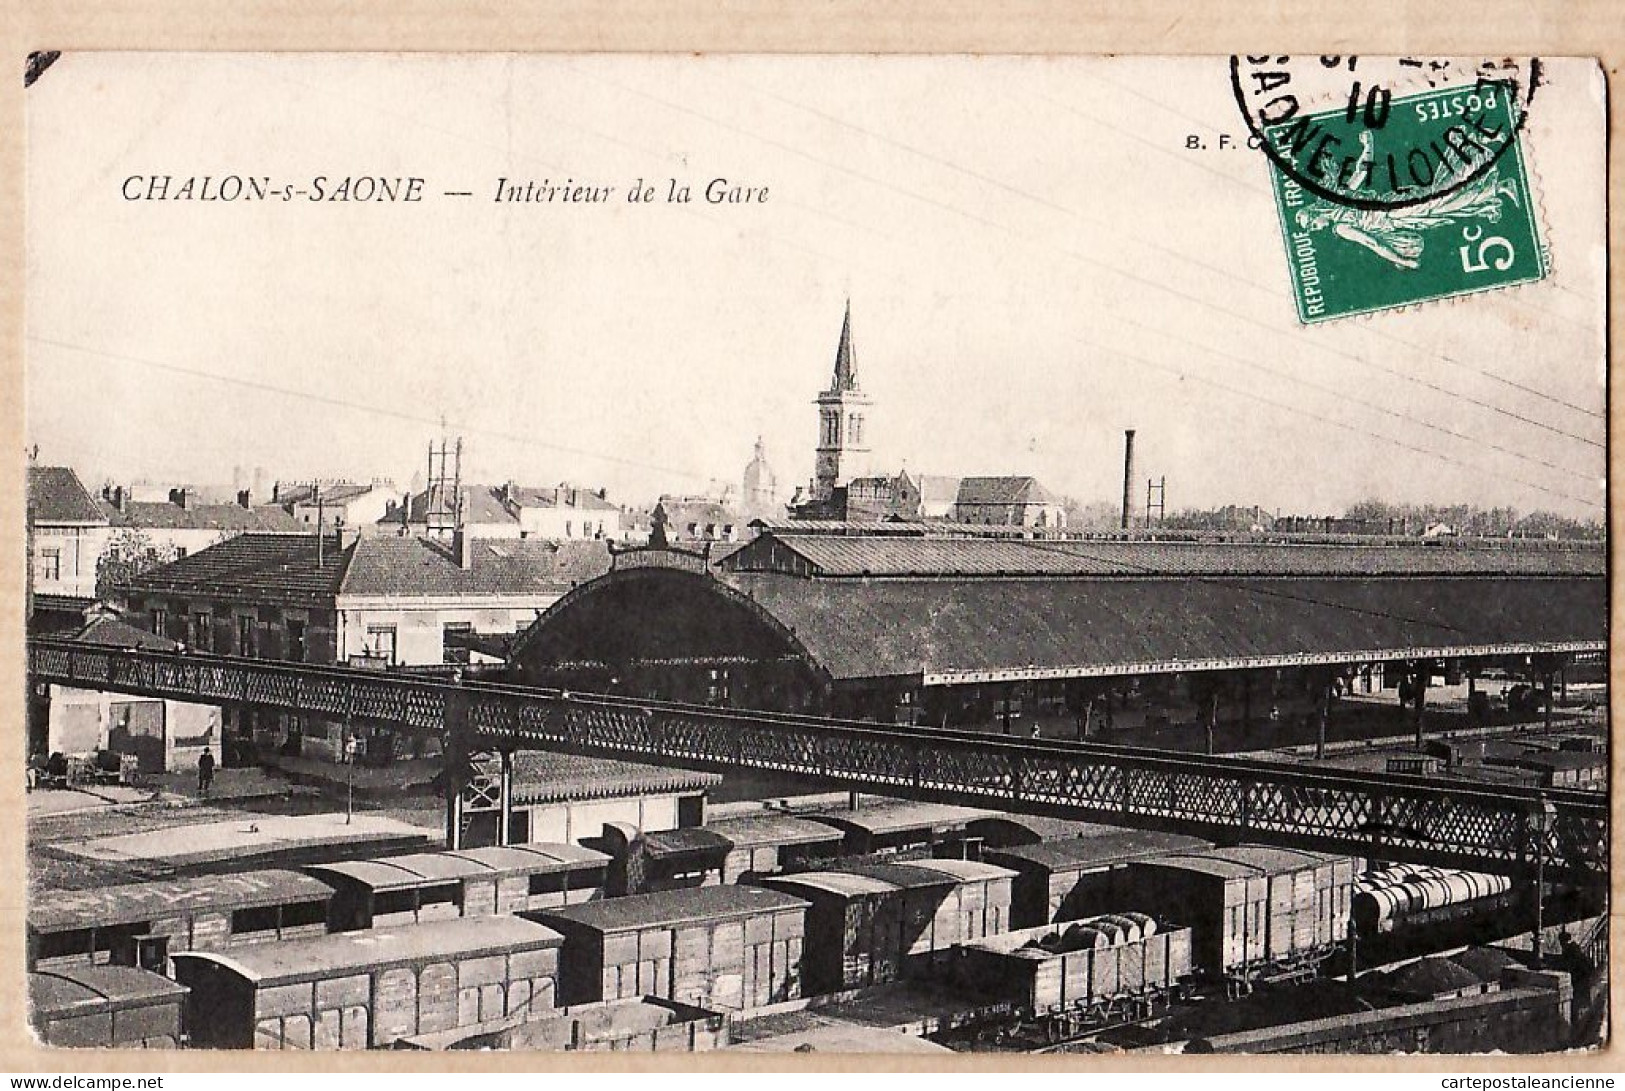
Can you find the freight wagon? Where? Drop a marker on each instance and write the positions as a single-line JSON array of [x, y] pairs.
[[1254, 913], [1066, 879], [106, 1007], [646, 1025], [1083, 975], [727, 851], [362, 990], [867, 921], [144, 924], [717, 947], [431, 886], [1408, 897], [896, 826]]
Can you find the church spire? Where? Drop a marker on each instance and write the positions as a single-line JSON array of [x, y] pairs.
[[846, 360]]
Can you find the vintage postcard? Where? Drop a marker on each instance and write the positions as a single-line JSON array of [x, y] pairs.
[[816, 554]]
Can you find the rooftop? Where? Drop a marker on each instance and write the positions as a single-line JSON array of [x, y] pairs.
[[108, 905], [540, 777], [669, 907], [56, 496], [227, 518], [357, 952]]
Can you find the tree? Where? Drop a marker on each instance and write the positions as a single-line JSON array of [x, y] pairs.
[[129, 553]]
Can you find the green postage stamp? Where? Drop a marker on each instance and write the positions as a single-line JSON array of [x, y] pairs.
[[1420, 198]]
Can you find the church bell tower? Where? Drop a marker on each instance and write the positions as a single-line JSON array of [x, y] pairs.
[[843, 447]]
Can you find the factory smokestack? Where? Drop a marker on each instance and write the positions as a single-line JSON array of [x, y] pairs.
[[1128, 477]]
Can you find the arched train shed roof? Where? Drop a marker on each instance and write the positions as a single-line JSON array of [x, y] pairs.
[[963, 629]]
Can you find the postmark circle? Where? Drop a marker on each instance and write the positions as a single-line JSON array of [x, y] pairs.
[[1383, 133]]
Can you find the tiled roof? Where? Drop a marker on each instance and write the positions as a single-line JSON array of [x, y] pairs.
[[331, 494], [57, 496], [273, 566], [564, 496], [114, 633], [549, 778], [498, 566], [482, 506], [1002, 490], [268, 518]]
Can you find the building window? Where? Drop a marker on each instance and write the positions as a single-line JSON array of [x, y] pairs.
[[50, 564], [202, 631], [296, 640], [160, 620], [245, 634], [855, 431], [381, 642], [716, 689], [454, 650], [180, 551]]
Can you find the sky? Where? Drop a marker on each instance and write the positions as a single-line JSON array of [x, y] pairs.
[[1034, 257]]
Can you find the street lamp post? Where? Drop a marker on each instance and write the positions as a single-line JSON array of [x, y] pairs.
[[1542, 820], [350, 747]]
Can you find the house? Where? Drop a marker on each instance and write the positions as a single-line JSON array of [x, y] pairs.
[[162, 735], [67, 531], [340, 597], [563, 513], [335, 503], [183, 523], [1008, 501]]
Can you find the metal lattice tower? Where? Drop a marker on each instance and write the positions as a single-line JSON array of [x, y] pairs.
[[443, 501]]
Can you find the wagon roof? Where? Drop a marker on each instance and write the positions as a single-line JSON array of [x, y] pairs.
[[773, 829], [56, 910], [1274, 859], [1114, 846], [691, 840], [86, 990], [965, 870], [843, 883], [1216, 866], [892, 817], [358, 952], [668, 907], [904, 876]]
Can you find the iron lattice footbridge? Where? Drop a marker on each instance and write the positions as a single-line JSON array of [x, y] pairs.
[[1420, 819]]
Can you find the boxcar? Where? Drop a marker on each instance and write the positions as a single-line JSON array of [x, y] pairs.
[[360, 990], [866, 921], [1097, 970], [719, 947], [1310, 899], [1070, 878], [106, 1007], [1224, 902], [726, 851], [143, 924], [644, 1025], [893, 826], [479, 882]]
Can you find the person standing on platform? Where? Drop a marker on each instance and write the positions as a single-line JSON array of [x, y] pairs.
[[205, 772]]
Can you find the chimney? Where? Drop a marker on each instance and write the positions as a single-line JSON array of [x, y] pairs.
[[1128, 477], [181, 497], [244, 498], [121, 498], [507, 492], [464, 543]]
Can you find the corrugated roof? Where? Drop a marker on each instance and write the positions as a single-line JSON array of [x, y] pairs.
[[882, 628], [355, 952], [57, 496], [669, 907], [546, 778], [87, 990], [58, 910]]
